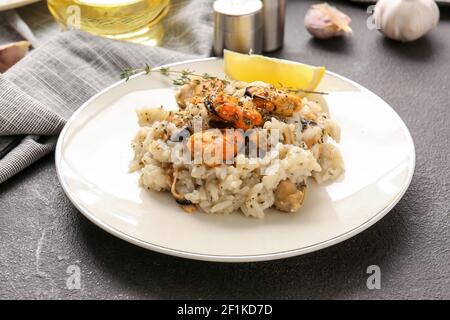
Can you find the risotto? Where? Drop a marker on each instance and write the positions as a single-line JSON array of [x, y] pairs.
[[236, 146]]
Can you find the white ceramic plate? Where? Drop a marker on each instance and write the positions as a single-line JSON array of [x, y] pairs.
[[12, 4], [94, 149]]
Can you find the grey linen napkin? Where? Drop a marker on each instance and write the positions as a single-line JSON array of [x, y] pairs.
[[40, 93]]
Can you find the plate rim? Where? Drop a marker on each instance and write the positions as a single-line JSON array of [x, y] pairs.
[[228, 258]]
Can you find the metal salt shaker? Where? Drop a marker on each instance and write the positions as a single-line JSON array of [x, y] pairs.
[[274, 13], [238, 26]]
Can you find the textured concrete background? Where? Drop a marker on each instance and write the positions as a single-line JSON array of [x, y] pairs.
[[42, 233]]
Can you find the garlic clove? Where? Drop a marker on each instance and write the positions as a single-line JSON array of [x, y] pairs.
[[324, 22], [11, 53], [406, 20]]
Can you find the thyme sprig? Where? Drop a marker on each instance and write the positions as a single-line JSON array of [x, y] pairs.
[[297, 91], [183, 76]]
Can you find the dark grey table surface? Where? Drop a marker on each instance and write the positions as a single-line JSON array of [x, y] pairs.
[[42, 234]]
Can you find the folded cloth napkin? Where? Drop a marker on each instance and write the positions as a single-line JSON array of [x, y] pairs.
[[39, 93]]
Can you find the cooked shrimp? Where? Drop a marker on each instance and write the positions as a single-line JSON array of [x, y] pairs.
[[215, 147], [274, 101], [230, 109]]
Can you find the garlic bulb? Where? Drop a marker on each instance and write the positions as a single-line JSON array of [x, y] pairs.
[[324, 21], [12, 53], [406, 20]]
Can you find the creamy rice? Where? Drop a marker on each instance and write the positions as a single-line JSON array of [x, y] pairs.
[[299, 146]]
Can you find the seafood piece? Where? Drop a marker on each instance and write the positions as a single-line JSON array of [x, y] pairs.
[[256, 144], [274, 101], [208, 87], [239, 114], [197, 90], [185, 204], [215, 147], [184, 93], [288, 197], [147, 116]]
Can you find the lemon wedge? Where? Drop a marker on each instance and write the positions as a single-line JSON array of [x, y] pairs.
[[280, 73]]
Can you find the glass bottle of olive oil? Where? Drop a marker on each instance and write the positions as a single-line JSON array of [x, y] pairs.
[[130, 20]]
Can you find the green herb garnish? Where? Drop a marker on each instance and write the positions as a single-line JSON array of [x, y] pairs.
[[186, 76], [183, 76]]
